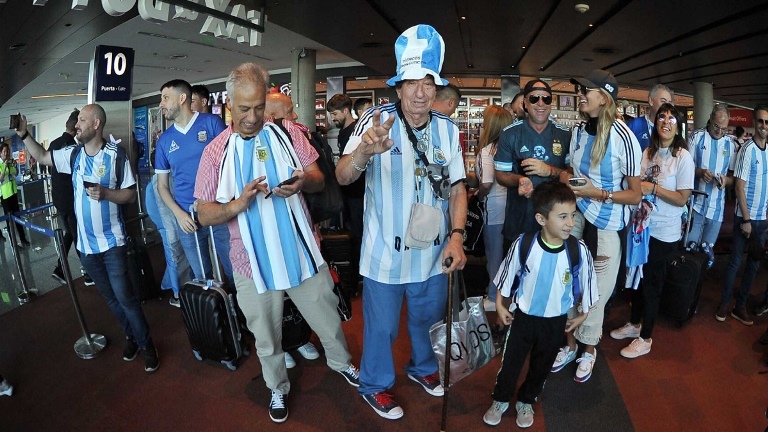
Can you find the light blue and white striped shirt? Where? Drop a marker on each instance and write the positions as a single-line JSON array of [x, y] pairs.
[[546, 287], [622, 159], [390, 192], [752, 167], [718, 156], [99, 223]]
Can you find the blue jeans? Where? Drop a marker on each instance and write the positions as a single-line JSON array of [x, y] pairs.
[[711, 229], [382, 304], [494, 253], [220, 238], [737, 252], [108, 270], [176, 264]]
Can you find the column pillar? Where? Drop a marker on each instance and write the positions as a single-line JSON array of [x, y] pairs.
[[703, 101], [303, 85]]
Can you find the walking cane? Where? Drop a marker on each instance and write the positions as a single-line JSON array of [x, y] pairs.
[[448, 344]]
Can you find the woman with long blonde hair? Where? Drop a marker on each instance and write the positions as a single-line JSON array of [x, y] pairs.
[[495, 119], [605, 156]]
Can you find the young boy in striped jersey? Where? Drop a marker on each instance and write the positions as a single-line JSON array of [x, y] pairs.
[[545, 276]]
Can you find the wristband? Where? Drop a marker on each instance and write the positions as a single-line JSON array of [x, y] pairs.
[[26, 134], [745, 222], [457, 230]]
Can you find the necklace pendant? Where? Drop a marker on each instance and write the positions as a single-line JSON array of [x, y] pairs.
[[422, 145], [420, 172]]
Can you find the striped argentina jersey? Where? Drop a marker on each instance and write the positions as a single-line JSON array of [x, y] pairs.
[[622, 159], [275, 231], [545, 288], [718, 156], [752, 167], [99, 223], [390, 192]]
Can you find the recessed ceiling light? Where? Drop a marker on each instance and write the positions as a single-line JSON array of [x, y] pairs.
[[178, 56], [17, 47]]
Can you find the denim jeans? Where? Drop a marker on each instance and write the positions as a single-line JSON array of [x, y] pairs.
[[737, 252], [494, 253], [710, 227], [108, 270], [176, 264], [220, 238]]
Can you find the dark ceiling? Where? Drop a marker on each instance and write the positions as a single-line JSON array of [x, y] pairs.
[[642, 41]]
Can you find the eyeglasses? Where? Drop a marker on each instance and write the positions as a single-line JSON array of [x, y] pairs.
[[534, 99], [719, 129], [669, 118], [762, 121]]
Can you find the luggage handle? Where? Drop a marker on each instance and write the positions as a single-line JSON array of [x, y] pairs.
[[215, 263]]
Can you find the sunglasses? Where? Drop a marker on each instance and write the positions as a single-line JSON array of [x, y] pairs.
[[581, 89], [669, 118], [535, 99]]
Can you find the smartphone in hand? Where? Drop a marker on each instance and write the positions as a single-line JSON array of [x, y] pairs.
[[577, 181], [291, 180]]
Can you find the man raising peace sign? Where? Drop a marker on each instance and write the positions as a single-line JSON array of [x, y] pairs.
[[414, 197]]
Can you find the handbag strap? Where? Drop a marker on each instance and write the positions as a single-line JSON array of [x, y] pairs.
[[411, 135]]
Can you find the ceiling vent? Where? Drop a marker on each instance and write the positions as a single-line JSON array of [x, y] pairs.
[[605, 50]]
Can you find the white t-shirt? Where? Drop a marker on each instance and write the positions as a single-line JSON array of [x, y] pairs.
[[671, 173], [496, 200]]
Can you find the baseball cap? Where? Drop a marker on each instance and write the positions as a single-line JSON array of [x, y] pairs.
[[419, 52], [599, 78], [532, 85]]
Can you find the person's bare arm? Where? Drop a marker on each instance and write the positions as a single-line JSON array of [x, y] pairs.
[[183, 218], [36, 150]]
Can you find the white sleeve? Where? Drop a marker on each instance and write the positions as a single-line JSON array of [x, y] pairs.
[[685, 171], [128, 178], [61, 158], [508, 270], [587, 279]]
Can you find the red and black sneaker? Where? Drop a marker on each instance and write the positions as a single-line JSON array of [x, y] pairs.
[[384, 405], [431, 383]]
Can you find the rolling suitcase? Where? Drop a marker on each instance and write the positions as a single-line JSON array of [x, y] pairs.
[[140, 271], [210, 318], [337, 249], [684, 278]]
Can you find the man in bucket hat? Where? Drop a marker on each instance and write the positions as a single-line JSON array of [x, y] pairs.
[[415, 210]]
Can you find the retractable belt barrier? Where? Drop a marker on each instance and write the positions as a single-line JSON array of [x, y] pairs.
[[90, 344]]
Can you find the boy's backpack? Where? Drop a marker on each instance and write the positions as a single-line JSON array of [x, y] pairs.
[[328, 202], [574, 259]]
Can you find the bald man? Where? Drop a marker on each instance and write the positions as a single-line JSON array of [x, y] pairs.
[[102, 180], [447, 99]]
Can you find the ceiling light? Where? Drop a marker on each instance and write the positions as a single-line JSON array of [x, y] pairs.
[[463, 17], [581, 7], [177, 56], [17, 47]]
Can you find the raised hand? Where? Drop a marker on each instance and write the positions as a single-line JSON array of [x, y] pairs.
[[376, 139]]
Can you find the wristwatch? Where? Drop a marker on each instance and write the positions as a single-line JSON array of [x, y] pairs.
[[457, 230], [609, 198]]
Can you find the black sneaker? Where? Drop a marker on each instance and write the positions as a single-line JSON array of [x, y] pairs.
[[384, 405], [278, 412], [87, 280], [763, 308], [131, 350], [741, 315], [174, 301], [151, 359], [722, 311], [58, 275], [352, 375]]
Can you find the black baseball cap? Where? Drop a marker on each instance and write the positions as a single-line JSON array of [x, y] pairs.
[[599, 78], [542, 85]]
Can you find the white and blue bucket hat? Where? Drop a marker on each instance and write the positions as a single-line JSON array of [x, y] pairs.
[[419, 52]]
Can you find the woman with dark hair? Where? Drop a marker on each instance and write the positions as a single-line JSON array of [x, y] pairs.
[[9, 189], [495, 119], [668, 171], [606, 156]]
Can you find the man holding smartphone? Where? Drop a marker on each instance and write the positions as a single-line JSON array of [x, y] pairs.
[[530, 151], [102, 246]]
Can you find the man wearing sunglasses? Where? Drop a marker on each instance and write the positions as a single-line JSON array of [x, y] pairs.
[[530, 151], [714, 156], [642, 127]]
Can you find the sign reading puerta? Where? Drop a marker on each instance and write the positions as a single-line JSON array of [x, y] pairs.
[[238, 24]]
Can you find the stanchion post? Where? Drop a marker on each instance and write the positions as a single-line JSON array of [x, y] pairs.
[[25, 295], [91, 344]]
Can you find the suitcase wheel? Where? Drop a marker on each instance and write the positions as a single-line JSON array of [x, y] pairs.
[[197, 355], [229, 364]]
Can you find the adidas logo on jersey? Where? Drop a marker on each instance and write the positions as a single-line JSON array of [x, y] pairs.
[[396, 151], [524, 149], [173, 147]]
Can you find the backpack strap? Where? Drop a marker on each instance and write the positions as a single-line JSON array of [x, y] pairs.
[[525, 244], [574, 260], [73, 157], [122, 156]]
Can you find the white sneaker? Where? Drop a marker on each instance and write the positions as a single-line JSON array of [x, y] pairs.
[[564, 357], [586, 364], [489, 305], [6, 389], [493, 415], [626, 331], [637, 348], [524, 415], [289, 361], [308, 351]]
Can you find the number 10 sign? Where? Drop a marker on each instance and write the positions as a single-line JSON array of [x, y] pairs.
[[113, 67]]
